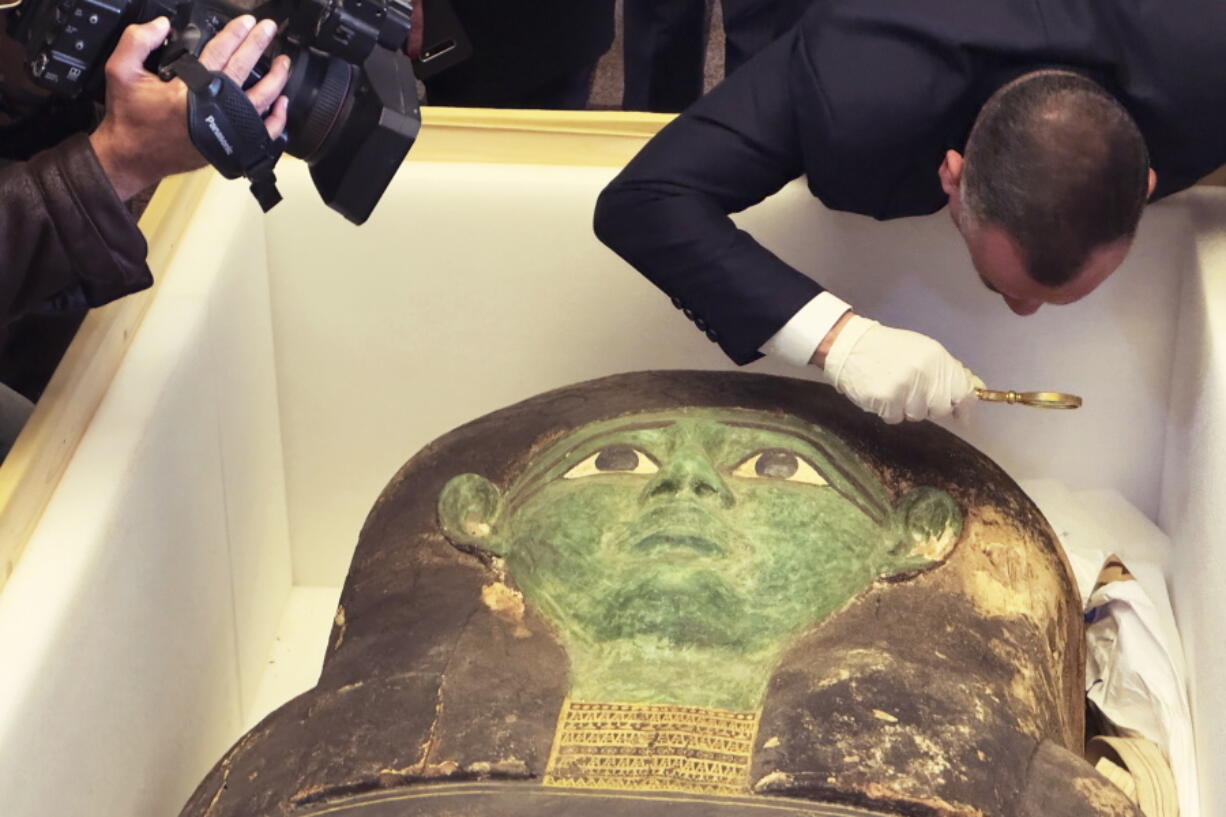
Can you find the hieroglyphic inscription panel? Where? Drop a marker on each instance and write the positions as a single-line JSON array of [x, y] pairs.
[[651, 747]]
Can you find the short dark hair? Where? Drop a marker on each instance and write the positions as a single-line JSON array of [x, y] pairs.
[[1056, 162]]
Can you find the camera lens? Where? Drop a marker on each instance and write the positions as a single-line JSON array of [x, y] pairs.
[[319, 91]]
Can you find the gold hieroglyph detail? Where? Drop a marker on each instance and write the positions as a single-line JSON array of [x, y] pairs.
[[652, 747]]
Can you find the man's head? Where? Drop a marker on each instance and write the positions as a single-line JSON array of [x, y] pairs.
[[697, 528], [1050, 191]]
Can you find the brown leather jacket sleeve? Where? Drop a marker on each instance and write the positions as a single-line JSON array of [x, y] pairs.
[[63, 230]]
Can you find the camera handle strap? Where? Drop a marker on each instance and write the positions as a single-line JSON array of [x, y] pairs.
[[226, 128]]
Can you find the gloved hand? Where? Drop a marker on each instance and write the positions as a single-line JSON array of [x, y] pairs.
[[897, 373]]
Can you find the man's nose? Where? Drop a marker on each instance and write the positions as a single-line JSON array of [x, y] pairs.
[[1022, 306], [689, 475]]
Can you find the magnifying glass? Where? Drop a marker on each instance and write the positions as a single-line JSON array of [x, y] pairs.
[[1038, 399]]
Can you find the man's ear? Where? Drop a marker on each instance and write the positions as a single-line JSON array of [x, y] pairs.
[[950, 173], [469, 507], [930, 523], [1153, 182]]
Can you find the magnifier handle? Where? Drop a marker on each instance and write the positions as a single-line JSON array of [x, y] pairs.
[[1037, 399]]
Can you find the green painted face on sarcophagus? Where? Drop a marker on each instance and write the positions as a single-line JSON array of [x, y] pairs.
[[677, 553], [689, 594]]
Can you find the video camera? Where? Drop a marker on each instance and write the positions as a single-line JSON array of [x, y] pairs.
[[353, 109]]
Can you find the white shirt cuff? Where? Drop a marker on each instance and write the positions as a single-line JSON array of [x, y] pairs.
[[799, 338]]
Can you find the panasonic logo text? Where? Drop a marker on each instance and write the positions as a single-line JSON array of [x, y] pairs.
[[221, 139]]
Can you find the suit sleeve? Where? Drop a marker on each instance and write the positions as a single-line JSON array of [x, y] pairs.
[[667, 213], [64, 232]]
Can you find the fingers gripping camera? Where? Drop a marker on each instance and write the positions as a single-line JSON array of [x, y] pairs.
[[227, 129]]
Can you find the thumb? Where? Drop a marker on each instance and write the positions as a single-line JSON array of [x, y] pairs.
[[413, 45], [127, 62], [963, 403]]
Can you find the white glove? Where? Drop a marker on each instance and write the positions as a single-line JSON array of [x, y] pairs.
[[897, 373]]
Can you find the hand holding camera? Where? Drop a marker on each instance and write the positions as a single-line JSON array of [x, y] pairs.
[[351, 110], [143, 136]]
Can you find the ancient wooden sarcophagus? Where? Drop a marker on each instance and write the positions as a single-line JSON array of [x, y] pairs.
[[689, 593]]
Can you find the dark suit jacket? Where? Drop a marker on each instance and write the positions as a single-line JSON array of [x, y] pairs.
[[863, 97]]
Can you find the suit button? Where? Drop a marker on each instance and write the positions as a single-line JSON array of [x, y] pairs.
[[689, 313], [712, 335], [701, 324], [677, 302]]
